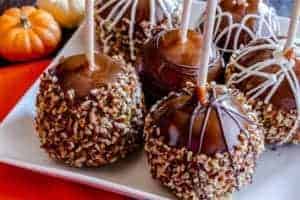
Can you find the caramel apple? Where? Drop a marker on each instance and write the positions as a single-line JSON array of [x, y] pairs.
[[168, 63], [269, 77], [202, 141], [89, 118], [123, 26], [203, 151], [240, 21]]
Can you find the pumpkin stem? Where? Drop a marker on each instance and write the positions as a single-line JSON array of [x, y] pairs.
[[24, 21]]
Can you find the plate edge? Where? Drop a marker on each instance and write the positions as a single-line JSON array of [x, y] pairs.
[[86, 180]]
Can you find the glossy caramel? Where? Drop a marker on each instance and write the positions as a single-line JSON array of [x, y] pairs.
[[74, 73], [220, 135], [181, 53], [168, 63]]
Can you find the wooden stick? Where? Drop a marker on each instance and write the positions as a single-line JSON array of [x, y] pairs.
[[293, 25], [90, 51], [208, 37], [186, 15]]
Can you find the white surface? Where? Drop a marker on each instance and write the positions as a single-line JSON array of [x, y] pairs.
[[276, 178]]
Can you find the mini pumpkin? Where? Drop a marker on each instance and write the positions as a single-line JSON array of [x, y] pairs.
[[68, 13], [28, 33]]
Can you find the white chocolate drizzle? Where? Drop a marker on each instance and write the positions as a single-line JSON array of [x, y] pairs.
[[272, 80], [266, 26], [118, 9]]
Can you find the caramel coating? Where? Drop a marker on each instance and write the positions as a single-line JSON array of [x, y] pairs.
[[74, 73], [89, 119], [181, 53], [168, 63], [221, 130]]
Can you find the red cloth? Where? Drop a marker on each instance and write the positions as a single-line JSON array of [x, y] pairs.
[[19, 184]]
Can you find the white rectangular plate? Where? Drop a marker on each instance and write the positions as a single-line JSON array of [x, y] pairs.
[[277, 175]]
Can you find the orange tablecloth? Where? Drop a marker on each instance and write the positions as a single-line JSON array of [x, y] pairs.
[[19, 184]]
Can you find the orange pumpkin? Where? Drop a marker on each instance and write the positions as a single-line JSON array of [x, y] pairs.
[[27, 33]]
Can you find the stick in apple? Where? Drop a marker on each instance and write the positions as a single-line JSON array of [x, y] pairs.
[[293, 25], [90, 46], [186, 15], [208, 37]]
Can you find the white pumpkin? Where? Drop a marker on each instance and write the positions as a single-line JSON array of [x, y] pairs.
[[68, 13]]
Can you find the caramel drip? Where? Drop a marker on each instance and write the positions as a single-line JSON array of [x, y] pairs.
[[201, 93]]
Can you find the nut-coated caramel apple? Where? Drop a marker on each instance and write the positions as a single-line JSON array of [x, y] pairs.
[[89, 118], [202, 141], [203, 150], [269, 77], [123, 26], [168, 63]]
